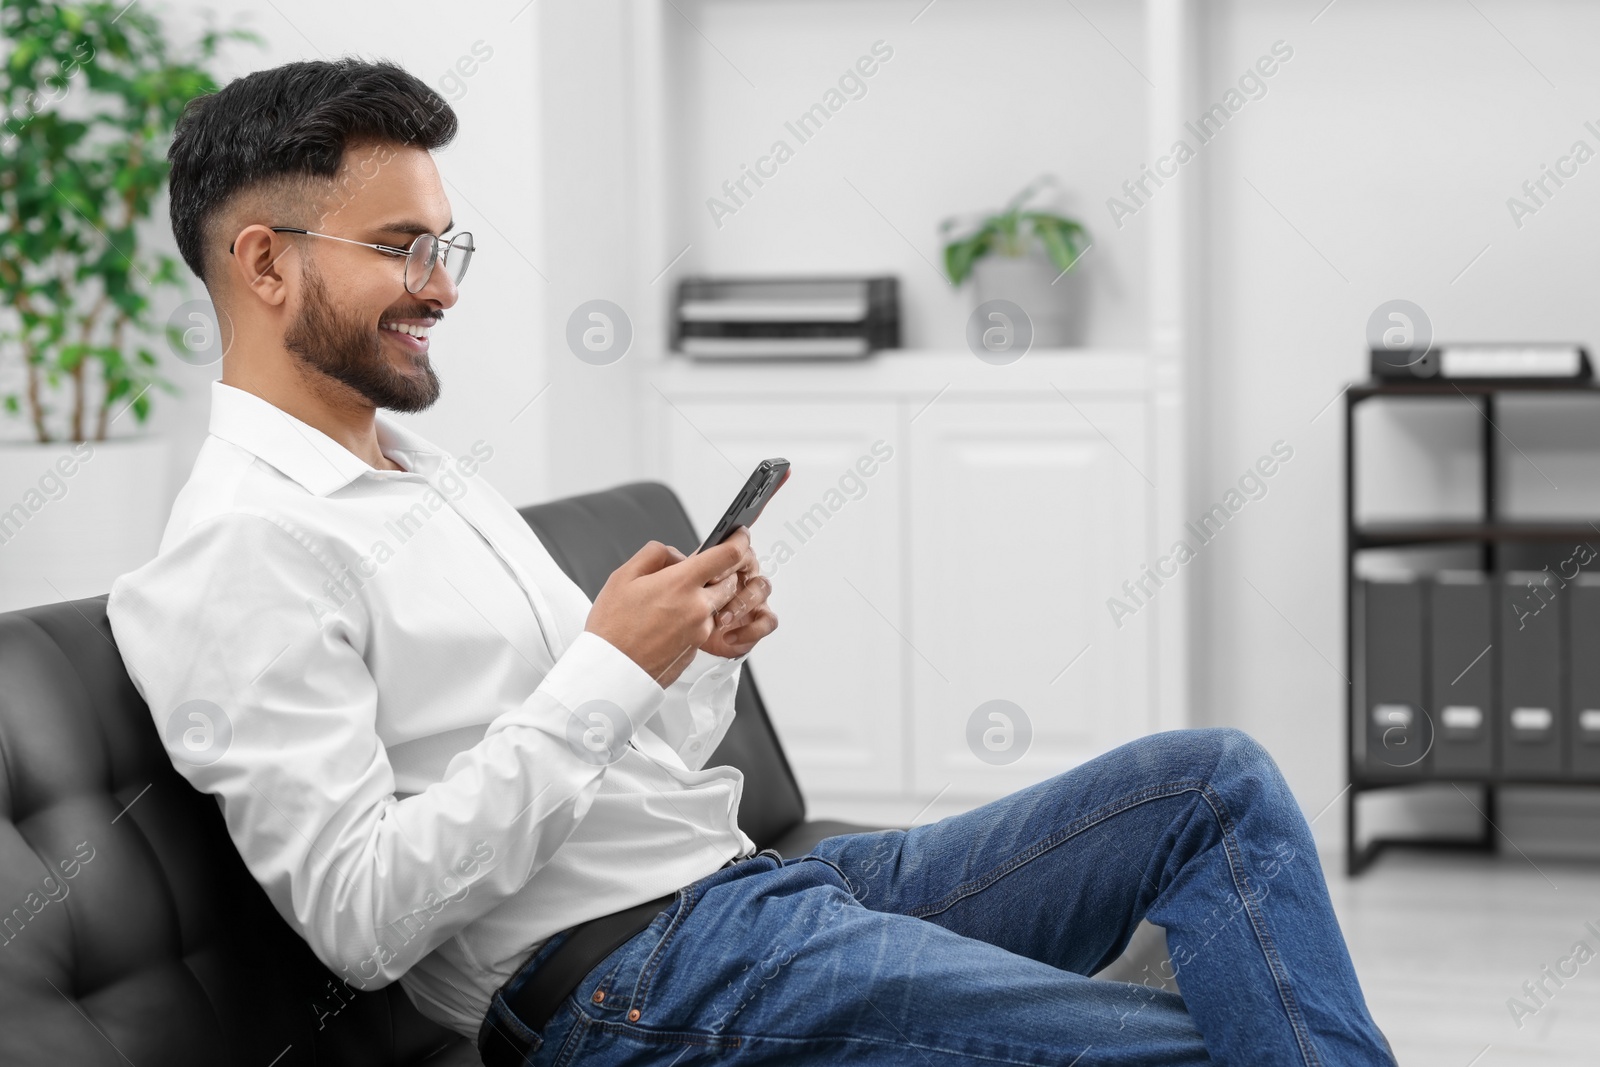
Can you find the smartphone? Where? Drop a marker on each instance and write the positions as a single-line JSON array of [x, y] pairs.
[[758, 489]]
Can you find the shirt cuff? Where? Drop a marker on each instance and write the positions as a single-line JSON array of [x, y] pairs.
[[705, 663], [593, 669]]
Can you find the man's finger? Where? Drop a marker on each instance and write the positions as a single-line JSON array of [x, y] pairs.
[[749, 598], [652, 557], [748, 565], [720, 594], [747, 634], [715, 563]]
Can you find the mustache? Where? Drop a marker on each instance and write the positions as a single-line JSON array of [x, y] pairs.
[[434, 314]]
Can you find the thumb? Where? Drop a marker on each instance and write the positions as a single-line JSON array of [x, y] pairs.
[[715, 563]]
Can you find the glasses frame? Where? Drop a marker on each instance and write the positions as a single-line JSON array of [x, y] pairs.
[[441, 251]]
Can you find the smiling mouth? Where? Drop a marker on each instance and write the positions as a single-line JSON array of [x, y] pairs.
[[412, 337]]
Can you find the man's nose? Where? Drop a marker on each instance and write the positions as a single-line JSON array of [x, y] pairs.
[[440, 290]]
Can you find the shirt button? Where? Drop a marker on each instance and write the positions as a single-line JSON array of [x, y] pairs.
[[599, 995], [633, 1016]]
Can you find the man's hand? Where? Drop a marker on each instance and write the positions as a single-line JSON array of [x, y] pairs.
[[659, 606], [747, 618]]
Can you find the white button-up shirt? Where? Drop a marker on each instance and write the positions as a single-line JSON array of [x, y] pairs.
[[384, 678]]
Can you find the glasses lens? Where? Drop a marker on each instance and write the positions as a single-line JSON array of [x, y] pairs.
[[419, 264], [457, 254]]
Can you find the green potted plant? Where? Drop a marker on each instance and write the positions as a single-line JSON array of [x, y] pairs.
[[1027, 255], [90, 95]]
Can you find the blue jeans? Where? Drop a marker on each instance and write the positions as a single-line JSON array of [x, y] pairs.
[[969, 940]]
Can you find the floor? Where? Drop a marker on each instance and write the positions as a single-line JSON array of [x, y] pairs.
[[1444, 942]]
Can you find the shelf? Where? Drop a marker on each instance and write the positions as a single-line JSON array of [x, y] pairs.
[[1486, 536], [1473, 388], [910, 372], [1390, 534], [1368, 781]]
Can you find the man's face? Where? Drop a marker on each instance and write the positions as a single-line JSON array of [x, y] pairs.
[[349, 295]]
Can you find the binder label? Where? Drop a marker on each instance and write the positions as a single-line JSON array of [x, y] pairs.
[[1531, 720], [1392, 714]]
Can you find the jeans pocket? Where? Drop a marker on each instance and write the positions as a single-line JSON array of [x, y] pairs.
[[844, 882], [500, 1024], [612, 986], [666, 926]]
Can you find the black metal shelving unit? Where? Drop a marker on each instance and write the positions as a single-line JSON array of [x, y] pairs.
[[1489, 534]]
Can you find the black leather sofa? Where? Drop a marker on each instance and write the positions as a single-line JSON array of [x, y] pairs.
[[131, 931]]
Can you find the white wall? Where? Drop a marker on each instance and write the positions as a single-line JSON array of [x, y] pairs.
[[1391, 143], [594, 249], [977, 100]]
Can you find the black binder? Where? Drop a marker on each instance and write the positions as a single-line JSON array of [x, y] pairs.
[[1399, 731], [1531, 683], [1461, 695], [1583, 665]]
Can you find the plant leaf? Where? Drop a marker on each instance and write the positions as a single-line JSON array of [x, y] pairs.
[[91, 92]]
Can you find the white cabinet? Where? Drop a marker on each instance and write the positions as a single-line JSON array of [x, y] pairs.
[[831, 674], [1025, 518], [937, 547]]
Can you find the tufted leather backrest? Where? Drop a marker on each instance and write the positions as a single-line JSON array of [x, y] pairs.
[[592, 535], [130, 929]]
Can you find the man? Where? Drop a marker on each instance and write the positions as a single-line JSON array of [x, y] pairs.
[[448, 768]]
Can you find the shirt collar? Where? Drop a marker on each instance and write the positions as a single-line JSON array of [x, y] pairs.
[[301, 451]]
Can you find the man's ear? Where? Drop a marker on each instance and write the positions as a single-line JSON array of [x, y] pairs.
[[257, 264]]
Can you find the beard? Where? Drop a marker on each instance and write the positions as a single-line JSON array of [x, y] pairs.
[[350, 351]]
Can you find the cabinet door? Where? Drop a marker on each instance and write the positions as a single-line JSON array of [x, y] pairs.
[[832, 673], [1026, 518]]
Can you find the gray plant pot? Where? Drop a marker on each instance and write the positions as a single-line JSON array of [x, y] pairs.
[[1056, 311]]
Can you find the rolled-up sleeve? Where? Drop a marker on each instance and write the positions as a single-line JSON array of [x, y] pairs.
[[273, 709]]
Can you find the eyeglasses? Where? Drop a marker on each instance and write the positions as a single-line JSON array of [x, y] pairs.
[[425, 252]]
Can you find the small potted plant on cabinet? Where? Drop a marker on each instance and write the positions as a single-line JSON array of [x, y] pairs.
[[1028, 256]]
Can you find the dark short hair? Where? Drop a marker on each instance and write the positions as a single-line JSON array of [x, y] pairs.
[[290, 122]]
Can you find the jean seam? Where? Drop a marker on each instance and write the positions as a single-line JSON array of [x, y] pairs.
[[1269, 948], [574, 1041], [1127, 803], [641, 987], [667, 1037], [842, 876], [857, 1039], [1040, 847]]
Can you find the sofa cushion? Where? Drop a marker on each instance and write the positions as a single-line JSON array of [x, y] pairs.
[[132, 930]]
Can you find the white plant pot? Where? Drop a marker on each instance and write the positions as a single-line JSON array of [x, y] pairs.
[[1056, 310], [75, 516]]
